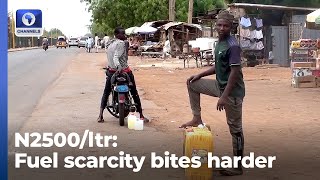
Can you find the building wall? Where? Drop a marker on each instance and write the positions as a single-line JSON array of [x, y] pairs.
[[306, 33], [280, 45], [206, 32]]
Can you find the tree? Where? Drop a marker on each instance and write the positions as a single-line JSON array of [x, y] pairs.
[[108, 14], [55, 32]]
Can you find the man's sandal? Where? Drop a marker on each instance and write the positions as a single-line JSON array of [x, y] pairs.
[[101, 121]]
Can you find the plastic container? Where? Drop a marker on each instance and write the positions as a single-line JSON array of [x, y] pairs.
[[138, 125], [198, 141], [131, 120]]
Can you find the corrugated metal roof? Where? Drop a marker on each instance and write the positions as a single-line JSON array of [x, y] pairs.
[[170, 24], [264, 6], [194, 25], [147, 24]]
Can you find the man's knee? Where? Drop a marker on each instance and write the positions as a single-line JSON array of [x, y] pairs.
[[235, 126], [191, 86], [188, 86], [234, 122]]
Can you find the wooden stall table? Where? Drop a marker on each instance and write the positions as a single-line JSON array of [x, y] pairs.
[[153, 54]]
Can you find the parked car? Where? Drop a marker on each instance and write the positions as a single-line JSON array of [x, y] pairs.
[[73, 42], [82, 42]]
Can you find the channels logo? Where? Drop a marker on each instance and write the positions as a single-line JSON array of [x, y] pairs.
[[28, 23]]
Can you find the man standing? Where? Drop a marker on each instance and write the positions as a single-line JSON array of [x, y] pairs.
[[228, 86], [96, 42], [89, 44], [118, 62], [105, 41]]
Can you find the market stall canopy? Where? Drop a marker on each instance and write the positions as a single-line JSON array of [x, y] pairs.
[[130, 30], [313, 20], [172, 24], [195, 25], [145, 29]]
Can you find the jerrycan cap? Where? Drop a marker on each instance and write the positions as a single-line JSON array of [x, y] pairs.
[[132, 109]]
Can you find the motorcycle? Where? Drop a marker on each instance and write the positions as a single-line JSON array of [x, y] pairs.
[[45, 46], [120, 101]]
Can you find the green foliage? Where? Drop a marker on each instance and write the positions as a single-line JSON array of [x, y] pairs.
[[55, 32], [108, 14]]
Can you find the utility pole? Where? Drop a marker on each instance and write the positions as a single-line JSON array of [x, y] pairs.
[[13, 31], [172, 17], [51, 36], [172, 10], [190, 12]]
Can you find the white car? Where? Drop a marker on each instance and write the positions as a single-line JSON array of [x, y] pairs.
[[73, 42], [82, 42]]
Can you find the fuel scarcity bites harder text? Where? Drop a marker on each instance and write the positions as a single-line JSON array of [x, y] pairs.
[[122, 160]]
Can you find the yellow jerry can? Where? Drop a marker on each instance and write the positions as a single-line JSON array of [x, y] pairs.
[[198, 141]]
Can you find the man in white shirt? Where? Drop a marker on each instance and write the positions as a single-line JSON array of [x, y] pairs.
[[89, 43], [117, 56], [96, 41], [105, 41]]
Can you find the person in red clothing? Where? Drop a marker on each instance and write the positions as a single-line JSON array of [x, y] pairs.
[[117, 54]]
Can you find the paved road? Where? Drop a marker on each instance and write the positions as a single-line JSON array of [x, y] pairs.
[[30, 72]]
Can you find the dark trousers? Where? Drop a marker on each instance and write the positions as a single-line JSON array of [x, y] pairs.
[[233, 109], [133, 91]]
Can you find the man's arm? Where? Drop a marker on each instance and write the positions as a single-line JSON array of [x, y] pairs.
[[119, 51], [208, 72], [235, 63], [233, 78]]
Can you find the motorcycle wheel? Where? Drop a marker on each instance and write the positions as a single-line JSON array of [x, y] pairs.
[[121, 114], [113, 110]]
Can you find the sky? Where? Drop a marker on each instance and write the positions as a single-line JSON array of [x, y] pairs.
[[70, 16]]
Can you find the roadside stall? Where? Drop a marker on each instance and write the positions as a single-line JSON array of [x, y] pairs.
[[251, 38], [305, 57], [134, 40], [146, 39], [150, 45], [177, 34]]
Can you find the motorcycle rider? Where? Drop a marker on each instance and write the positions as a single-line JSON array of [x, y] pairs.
[[45, 42], [117, 55]]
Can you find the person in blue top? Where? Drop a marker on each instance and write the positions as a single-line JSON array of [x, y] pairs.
[[228, 86]]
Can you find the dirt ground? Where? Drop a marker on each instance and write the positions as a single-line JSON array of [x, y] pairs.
[[278, 120]]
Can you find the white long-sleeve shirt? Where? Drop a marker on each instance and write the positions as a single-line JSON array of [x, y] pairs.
[[117, 55]]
